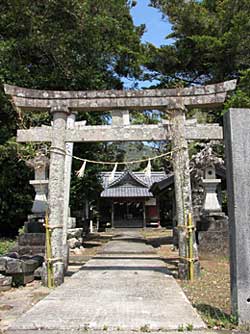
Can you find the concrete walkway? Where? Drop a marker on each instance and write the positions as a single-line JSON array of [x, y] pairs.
[[124, 288]]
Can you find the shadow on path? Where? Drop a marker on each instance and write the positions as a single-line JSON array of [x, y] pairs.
[[126, 268]]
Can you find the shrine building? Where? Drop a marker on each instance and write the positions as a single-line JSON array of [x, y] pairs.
[[126, 200]]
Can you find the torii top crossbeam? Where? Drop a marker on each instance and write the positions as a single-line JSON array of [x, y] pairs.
[[179, 98]]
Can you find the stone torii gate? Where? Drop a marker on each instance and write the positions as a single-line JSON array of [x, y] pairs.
[[63, 103]]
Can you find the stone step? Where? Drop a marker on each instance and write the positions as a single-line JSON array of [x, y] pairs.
[[31, 239], [30, 250], [118, 331]]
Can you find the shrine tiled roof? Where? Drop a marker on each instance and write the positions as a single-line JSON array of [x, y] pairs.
[[126, 192], [129, 184]]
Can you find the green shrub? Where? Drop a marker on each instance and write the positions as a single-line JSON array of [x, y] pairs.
[[6, 245]]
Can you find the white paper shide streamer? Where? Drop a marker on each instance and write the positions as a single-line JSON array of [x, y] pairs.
[[148, 169], [112, 175], [80, 172]]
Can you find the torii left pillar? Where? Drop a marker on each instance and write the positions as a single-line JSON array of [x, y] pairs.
[[56, 190], [183, 193]]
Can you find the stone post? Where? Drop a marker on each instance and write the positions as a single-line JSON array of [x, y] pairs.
[[86, 210], [56, 190], [237, 141], [144, 215], [112, 214], [183, 195], [120, 117]]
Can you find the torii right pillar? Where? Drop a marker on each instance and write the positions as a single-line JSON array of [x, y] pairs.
[[183, 193]]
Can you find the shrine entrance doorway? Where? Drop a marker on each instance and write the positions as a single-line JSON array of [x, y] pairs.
[[128, 214]]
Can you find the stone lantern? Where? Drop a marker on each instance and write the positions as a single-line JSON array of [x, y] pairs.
[[213, 236], [40, 164], [32, 241], [212, 223], [210, 183]]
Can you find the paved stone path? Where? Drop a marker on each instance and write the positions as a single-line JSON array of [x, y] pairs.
[[124, 288]]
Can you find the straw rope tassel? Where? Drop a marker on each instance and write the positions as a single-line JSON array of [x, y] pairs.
[[80, 172]]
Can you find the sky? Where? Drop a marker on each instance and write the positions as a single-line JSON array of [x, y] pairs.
[[157, 29]]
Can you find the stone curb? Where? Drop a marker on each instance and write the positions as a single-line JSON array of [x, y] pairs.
[[82, 331]]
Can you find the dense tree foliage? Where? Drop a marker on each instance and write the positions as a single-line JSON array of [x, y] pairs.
[[211, 44], [53, 44]]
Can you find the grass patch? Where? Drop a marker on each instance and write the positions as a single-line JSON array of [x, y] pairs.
[[156, 233], [145, 329], [210, 294], [216, 318], [6, 245]]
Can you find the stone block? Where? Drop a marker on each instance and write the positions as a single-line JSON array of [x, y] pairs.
[[75, 233], [22, 271], [237, 142], [38, 273], [44, 275], [16, 266], [213, 235], [71, 222], [31, 244], [5, 282], [34, 226], [13, 255], [38, 258], [31, 239], [30, 265], [22, 279], [31, 250], [175, 237], [65, 257], [74, 243], [3, 263], [76, 251], [214, 243]]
